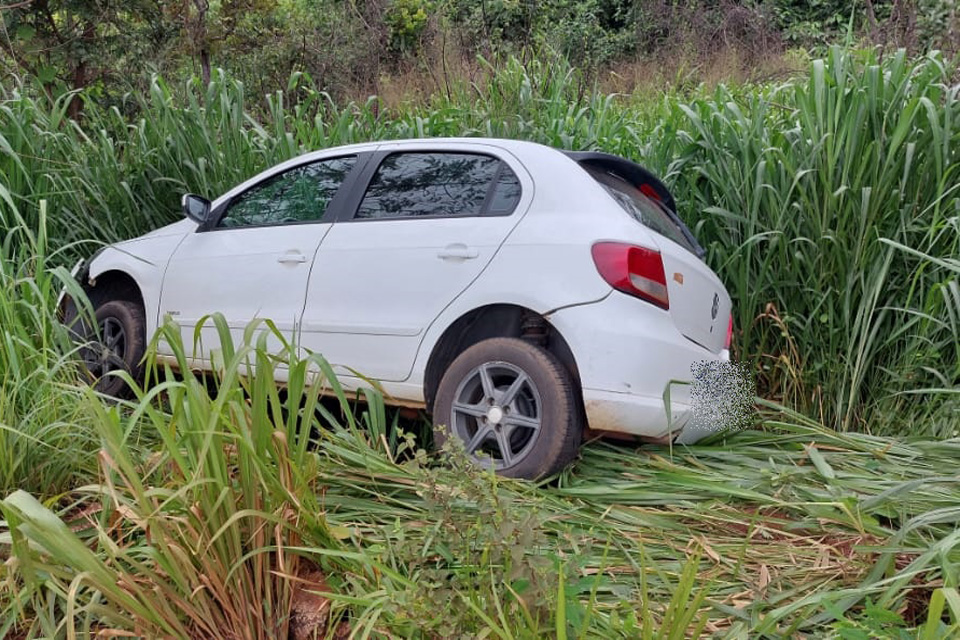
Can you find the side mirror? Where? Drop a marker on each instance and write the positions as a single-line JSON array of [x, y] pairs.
[[197, 208]]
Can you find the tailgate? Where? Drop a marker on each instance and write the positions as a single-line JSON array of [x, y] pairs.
[[699, 303]]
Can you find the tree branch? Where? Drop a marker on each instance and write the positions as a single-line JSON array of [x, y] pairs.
[[15, 5], [44, 8]]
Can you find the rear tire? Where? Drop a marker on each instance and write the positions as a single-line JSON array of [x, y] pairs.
[[119, 344], [513, 405]]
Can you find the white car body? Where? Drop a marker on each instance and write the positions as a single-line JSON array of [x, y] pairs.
[[378, 295]]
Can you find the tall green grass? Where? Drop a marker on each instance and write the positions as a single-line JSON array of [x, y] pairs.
[[828, 203], [812, 191], [47, 442]]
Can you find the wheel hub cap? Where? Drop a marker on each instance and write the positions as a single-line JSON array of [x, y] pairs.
[[497, 412]]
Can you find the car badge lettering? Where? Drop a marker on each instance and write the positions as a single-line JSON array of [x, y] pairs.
[[716, 307]]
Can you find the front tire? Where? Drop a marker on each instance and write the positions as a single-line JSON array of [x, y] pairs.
[[513, 405], [119, 344]]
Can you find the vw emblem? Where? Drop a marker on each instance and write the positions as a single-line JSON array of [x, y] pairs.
[[715, 308]]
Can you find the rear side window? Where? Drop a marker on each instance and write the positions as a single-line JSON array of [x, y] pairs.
[[414, 185], [299, 195], [506, 192], [647, 210]]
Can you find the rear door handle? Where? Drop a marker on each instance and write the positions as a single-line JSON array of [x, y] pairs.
[[293, 257], [457, 251]]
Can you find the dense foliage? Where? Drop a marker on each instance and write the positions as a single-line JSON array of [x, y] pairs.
[[349, 47]]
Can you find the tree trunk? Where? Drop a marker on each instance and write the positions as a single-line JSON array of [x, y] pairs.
[[205, 66], [79, 76], [75, 109], [200, 40], [872, 22]]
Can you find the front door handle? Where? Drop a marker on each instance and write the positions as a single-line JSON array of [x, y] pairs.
[[293, 257], [457, 251]]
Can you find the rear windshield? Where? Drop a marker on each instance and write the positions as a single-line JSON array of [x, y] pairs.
[[648, 211]]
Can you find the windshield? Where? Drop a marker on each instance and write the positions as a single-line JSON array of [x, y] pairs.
[[647, 210]]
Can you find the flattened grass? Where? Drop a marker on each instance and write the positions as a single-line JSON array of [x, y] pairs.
[[780, 531]]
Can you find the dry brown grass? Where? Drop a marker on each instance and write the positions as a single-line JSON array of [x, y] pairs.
[[442, 71], [683, 70]]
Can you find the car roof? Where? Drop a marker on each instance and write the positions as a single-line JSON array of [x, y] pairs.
[[528, 153], [522, 149], [502, 143], [518, 147]]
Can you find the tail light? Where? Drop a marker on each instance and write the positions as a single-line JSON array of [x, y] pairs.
[[634, 270], [729, 334]]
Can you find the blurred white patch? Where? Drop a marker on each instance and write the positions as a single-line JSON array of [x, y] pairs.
[[722, 395]]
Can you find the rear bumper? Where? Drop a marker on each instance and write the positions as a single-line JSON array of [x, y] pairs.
[[631, 359]]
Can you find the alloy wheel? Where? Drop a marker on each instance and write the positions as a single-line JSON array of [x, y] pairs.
[[498, 414], [109, 352]]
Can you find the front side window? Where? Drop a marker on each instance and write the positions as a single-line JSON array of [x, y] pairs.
[[440, 184], [299, 195]]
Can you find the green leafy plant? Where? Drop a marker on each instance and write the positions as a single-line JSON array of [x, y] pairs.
[[406, 20]]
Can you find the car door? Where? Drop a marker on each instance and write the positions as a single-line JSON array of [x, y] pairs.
[[424, 228], [252, 259]]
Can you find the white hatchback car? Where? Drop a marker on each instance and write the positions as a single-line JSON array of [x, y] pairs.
[[520, 293]]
